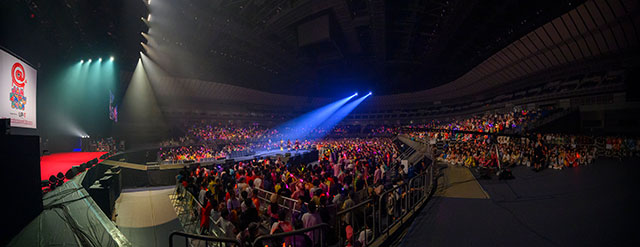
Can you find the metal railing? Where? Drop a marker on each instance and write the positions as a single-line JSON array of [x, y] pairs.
[[202, 240], [287, 203], [311, 236], [374, 221], [188, 209], [174, 162]]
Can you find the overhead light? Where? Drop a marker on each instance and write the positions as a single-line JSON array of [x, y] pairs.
[[89, 60], [99, 59], [111, 58], [149, 17], [82, 61]]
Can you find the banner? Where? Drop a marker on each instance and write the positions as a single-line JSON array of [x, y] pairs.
[[17, 91]]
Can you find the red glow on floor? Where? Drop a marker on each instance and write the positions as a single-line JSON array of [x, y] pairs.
[[61, 162]]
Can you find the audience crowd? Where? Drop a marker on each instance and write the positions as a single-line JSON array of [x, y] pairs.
[[245, 200], [206, 141], [543, 150], [491, 122], [349, 171]]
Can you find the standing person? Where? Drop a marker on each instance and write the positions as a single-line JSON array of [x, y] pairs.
[[377, 175], [282, 226], [310, 219], [538, 153], [205, 213], [225, 223]]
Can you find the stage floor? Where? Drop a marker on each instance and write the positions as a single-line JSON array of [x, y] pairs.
[[61, 162], [271, 153]]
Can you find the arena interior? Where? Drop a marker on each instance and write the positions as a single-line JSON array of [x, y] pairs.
[[252, 123]]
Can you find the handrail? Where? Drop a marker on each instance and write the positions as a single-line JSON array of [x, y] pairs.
[[344, 211], [373, 217], [195, 204], [291, 207], [299, 232], [188, 236]]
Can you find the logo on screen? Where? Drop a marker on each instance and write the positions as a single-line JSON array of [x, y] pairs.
[[18, 80]]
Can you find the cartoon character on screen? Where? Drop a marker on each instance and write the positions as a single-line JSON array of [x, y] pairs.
[[18, 80]]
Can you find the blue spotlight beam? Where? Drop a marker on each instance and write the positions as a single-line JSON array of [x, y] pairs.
[[301, 127], [339, 115]]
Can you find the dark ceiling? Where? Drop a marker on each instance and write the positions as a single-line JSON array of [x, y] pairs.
[[50, 34], [370, 45]]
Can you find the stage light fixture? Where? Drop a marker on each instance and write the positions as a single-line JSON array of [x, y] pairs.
[[99, 59], [356, 94], [111, 58], [89, 60], [82, 61], [149, 17]]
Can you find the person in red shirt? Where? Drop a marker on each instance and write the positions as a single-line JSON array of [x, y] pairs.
[[205, 214]]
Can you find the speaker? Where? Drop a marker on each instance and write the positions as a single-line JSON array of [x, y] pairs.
[[92, 162], [70, 173], [229, 162], [22, 183], [103, 196], [116, 183], [106, 180], [5, 127]]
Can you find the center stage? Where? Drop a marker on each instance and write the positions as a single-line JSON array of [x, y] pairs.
[[142, 175]]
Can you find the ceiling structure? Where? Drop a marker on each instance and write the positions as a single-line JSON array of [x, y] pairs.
[[587, 37], [51, 34], [292, 47], [324, 48]]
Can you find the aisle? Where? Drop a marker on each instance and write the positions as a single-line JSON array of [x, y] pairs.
[[145, 216], [594, 205], [459, 182]]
